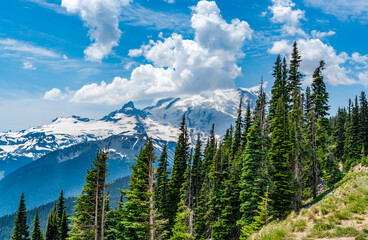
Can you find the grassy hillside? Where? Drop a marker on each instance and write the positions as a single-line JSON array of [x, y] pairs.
[[341, 214]]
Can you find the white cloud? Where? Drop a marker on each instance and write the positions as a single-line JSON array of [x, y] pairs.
[[135, 52], [169, 1], [28, 66], [361, 60], [283, 13], [180, 66], [280, 47], [363, 78], [318, 34], [342, 9], [8, 44], [102, 19], [314, 50], [54, 94]]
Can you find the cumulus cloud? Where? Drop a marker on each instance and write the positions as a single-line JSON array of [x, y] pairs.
[[284, 13], [318, 34], [180, 66], [280, 47], [102, 19], [54, 94], [342, 9], [314, 50]]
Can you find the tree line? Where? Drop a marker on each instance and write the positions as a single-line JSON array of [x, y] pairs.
[[272, 161]]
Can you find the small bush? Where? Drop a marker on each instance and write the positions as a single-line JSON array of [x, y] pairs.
[[321, 226], [342, 215]]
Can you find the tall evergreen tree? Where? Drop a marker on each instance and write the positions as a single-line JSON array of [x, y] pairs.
[[254, 179], [363, 116], [280, 170], [178, 172], [62, 220], [237, 131], [196, 174], [161, 186], [20, 231], [52, 226], [137, 218], [37, 232], [352, 147], [295, 75], [247, 125], [339, 134], [89, 211]]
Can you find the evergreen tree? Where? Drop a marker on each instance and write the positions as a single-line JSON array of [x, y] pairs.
[[52, 226], [196, 174], [182, 228], [275, 91], [161, 186], [339, 134], [280, 170], [89, 211], [178, 172], [247, 125], [37, 232], [363, 116], [62, 220], [263, 217], [307, 103], [20, 231], [352, 151], [294, 80], [254, 179], [137, 219], [237, 131]]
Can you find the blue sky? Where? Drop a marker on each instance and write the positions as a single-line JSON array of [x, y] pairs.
[[89, 57]]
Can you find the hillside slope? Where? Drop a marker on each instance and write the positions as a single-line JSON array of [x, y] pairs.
[[341, 215]]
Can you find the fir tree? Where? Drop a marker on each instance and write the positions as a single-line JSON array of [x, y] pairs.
[[178, 172], [263, 217], [247, 125], [52, 226], [161, 186], [137, 219], [237, 131], [280, 171], [62, 220], [339, 134], [254, 179], [20, 231], [363, 116], [181, 230], [295, 76], [37, 232], [196, 174], [352, 147], [89, 211]]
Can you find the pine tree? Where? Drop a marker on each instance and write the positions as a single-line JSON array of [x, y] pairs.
[[52, 227], [294, 80], [254, 179], [37, 232], [196, 174], [181, 229], [280, 171], [352, 151], [247, 125], [178, 172], [137, 219], [20, 231], [161, 186], [62, 220], [237, 131], [89, 211], [339, 134], [363, 116], [275, 91], [263, 217]]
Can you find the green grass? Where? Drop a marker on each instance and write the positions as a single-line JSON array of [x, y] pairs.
[[299, 225]]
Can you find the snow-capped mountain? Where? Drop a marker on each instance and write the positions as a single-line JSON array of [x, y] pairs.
[[159, 121]]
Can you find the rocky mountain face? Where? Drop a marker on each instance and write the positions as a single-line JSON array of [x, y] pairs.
[[41, 161]]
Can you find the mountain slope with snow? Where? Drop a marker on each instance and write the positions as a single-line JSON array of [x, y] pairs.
[[160, 121]]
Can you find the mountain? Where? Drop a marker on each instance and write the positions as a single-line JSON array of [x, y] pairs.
[[60, 152]]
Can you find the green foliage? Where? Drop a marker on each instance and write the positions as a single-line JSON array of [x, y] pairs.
[[89, 211], [37, 232], [161, 186], [52, 227], [183, 230], [20, 231]]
